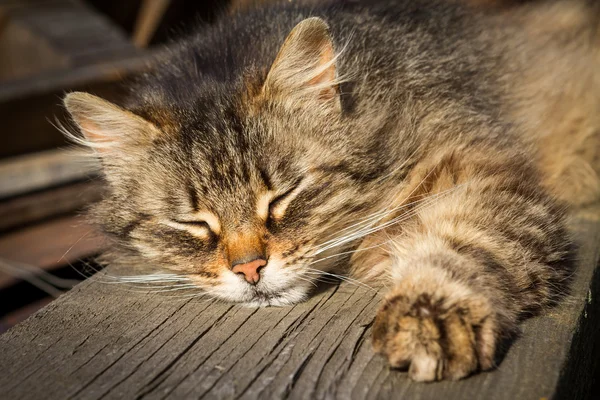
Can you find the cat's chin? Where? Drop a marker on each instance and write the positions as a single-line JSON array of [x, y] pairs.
[[286, 297], [276, 301], [278, 287], [263, 296]]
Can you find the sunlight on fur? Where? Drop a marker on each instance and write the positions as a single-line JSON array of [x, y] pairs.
[[434, 160]]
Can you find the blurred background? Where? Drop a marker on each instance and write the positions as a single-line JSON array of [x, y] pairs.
[[49, 47]]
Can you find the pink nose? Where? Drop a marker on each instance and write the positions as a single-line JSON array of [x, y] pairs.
[[250, 270]]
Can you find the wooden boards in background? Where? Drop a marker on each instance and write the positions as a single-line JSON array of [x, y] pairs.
[[50, 245], [42, 170]]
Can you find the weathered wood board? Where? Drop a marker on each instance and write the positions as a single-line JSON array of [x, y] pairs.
[[49, 35], [110, 341], [33, 207], [26, 173], [47, 246], [48, 47]]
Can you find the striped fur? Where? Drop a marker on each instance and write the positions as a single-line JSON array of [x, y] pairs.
[[431, 146]]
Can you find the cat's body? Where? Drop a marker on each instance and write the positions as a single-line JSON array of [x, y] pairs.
[[442, 143]]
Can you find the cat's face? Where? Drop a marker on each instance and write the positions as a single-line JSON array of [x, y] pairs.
[[205, 209], [244, 195]]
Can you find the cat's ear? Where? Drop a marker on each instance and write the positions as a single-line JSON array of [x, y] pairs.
[[107, 128], [305, 67]]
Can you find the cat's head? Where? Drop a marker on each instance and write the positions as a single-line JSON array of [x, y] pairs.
[[240, 188]]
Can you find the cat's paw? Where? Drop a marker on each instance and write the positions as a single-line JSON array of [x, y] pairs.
[[436, 336]]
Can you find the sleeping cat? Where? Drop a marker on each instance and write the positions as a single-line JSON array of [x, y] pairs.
[[429, 146]]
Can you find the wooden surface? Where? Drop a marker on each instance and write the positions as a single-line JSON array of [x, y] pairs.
[[66, 32], [112, 341], [42, 205], [48, 47], [44, 169], [239, 5], [50, 245], [149, 16]]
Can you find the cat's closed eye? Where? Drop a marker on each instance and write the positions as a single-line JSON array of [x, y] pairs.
[[202, 225], [277, 203], [194, 224], [200, 229]]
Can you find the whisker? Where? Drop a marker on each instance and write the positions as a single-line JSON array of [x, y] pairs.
[[422, 204], [22, 269], [31, 278], [144, 283], [307, 280], [348, 252], [375, 215], [406, 161], [73, 245], [381, 214], [341, 277]]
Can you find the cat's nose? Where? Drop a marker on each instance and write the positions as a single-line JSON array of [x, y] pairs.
[[250, 270]]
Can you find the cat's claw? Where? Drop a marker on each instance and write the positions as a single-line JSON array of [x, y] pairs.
[[435, 337]]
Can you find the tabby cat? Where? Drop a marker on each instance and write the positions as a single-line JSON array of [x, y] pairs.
[[434, 147]]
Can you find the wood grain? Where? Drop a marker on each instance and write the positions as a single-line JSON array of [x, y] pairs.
[[53, 46], [30, 208], [50, 245], [110, 341], [57, 34], [149, 16], [44, 169]]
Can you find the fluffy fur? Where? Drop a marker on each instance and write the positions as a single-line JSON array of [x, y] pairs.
[[433, 146]]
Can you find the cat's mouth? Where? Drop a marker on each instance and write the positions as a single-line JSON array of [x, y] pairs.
[[279, 285], [268, 292], [283, 297]]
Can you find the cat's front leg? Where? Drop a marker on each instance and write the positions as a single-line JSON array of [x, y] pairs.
[[467, 267], [437, 327]]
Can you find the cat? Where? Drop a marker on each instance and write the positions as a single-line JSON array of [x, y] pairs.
[[433, 147]]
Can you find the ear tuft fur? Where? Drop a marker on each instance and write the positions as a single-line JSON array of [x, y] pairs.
[[107, 128], [305, 67]]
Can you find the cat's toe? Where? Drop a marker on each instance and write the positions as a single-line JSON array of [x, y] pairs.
[[426, 367], [432, 341]]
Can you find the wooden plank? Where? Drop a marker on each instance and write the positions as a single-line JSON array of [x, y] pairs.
[[70, 29], [24, 53], [63, 45], [241, 5], [95, 49], [30, 208], [13, 318], [54, 244], [28, 105], [110, 341], [44, 169], [44, 245], [102, 71]]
